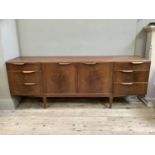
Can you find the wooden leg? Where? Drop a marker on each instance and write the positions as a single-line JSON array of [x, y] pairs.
[[44, 102], [110, 101]]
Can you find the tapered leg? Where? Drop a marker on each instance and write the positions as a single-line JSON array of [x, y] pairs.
[[110, 101], [45, 102]]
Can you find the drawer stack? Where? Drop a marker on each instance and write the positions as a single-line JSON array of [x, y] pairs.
[[130, 78], [25, 78]]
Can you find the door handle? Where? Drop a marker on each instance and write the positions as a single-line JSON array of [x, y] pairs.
[[18, 63], [64, 63], [126, 71], [126, 83], [90, 63], [28, 72], [137, 63], [29, 84]]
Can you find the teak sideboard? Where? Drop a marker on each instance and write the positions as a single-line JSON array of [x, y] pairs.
[[81, 76]]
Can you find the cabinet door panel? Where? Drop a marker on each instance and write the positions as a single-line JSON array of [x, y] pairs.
[[95, 78], [59, 78]]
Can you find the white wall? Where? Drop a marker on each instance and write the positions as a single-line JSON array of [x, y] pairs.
[[8, 49], [9, 39], [76, 37]]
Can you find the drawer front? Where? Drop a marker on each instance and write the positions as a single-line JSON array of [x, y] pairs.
[[25, 84], [123, 89], [143, 66], [23, 66], [26, 90], [130, 76]]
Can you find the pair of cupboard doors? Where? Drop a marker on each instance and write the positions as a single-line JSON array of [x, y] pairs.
[[77, 78]]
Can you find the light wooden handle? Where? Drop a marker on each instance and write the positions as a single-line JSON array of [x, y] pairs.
[[64, 63], [28, 72], [90, 63], [18, 63], [137, 63], [126, 83], [29, 84], [126, 71]]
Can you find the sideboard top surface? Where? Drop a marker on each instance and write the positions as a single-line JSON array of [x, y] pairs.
[[74, 59]]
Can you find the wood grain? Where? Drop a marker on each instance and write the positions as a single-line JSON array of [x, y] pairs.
[[59, 78], [78, 59], [95, 78], [134, 76], [123, 89]]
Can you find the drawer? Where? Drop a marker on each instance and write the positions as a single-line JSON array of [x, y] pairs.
[[130, 76], [20, 77], [27, 89], [123, 89], [23, 66], [132, 66]]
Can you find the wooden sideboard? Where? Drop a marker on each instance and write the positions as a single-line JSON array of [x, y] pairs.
[[87, 76]]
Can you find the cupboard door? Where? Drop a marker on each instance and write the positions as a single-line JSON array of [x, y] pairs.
[[95, 78], [59, 78]]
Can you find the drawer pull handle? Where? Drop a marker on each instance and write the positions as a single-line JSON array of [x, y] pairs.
[[18, 63], [126, 83], [29, 84], [137, 63], [64, 63], [126, 71], [28, 72], [90, 63]]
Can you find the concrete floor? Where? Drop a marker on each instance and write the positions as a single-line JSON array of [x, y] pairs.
[[82, 116]]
